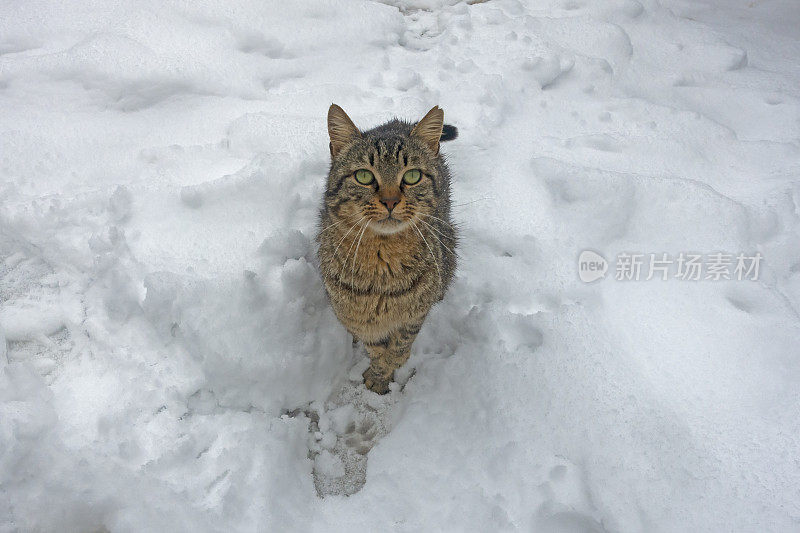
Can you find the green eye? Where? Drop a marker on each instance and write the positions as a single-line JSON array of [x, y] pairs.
[[364, 176], [412, 176]]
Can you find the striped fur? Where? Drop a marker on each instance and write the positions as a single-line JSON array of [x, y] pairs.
[[383, 275]]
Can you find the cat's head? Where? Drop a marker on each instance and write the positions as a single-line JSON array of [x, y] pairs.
[[389, 177]]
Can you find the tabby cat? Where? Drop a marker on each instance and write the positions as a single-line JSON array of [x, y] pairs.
[[386, 243]]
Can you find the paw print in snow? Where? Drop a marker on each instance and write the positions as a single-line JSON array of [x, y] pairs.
[[360, 435]]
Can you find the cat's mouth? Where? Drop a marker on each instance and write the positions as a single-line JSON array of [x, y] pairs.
[[388, 225]]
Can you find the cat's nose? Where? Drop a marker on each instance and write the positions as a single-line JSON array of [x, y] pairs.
[[390, 202]]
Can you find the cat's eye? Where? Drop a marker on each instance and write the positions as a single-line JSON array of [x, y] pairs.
[[413, 176], [364, 176]]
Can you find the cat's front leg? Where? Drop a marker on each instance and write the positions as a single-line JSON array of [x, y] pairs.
[[379, 374], [389, 354]]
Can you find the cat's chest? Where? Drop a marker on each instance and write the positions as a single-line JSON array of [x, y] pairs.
[[387, 259], [382, 281]]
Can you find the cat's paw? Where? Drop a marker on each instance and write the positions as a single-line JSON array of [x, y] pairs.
[[376, 382]]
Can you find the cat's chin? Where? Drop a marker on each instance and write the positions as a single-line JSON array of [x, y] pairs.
[[388, 226]]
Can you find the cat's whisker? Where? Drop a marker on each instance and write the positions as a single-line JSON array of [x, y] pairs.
[[438, 238], [355, 255], [443, 244], [329, 226], [347, 257], [435, 262], [437, 218], [345, 235], [436, 230], [472, 201]]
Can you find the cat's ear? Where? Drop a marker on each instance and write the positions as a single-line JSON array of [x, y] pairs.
[[340, 128], [429, 129]]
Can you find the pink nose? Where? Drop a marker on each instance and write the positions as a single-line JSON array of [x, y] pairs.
[[390, 202]]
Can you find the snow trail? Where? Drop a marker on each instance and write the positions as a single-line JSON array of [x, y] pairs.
[[344, 430]]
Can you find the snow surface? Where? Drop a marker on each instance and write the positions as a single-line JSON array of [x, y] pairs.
[[169, 360]]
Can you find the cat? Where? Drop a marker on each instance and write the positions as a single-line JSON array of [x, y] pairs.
[[386, 241]]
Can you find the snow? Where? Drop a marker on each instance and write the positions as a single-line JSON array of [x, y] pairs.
[[168, 359]]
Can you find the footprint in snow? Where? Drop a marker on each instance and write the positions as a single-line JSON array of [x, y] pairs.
[[344, 430]]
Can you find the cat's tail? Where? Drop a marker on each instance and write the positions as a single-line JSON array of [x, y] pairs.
[[448, 133]]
